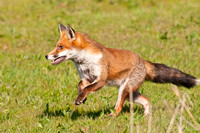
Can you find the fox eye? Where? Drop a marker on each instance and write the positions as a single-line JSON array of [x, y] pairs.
[[60, 47]]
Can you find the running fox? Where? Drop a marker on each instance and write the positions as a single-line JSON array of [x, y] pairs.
[[99, 66]]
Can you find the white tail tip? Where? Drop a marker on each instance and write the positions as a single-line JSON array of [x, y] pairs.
[[197, 81]]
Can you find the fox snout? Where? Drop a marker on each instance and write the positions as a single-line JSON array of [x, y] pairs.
[[54, 56], [55, 59]]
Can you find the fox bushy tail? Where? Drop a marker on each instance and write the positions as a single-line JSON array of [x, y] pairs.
[[160, 73]]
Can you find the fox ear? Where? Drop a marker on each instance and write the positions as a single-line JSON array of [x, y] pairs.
[[62, 29], [70, 33]]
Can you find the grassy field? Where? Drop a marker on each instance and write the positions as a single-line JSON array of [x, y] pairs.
[[38, 97]]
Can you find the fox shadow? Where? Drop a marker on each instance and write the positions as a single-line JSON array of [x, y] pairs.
[[75, 114], [106, 111]]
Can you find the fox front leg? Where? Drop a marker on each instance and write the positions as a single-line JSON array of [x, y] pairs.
[[82, 84], [92, 87]]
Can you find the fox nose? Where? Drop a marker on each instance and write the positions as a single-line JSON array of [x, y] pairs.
[[46, 56]]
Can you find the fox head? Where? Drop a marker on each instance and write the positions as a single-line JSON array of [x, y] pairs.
[[65, 48]]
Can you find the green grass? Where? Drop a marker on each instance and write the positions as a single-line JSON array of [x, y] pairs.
[[38, 97]]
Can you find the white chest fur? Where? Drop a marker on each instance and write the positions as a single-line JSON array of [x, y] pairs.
[[88, 65]]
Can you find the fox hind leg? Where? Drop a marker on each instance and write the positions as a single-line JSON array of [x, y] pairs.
[[122, 96], [140, 99], [134, 81]]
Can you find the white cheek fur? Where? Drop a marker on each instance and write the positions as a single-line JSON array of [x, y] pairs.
[[68, 53]]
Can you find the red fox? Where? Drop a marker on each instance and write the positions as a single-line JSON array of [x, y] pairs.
[[99, 66]]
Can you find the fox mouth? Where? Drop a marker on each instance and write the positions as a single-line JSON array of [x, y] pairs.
[[58, 60]]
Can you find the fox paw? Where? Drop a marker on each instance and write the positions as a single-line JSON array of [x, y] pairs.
[[77, 103], [79, 100], [112, 115]]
